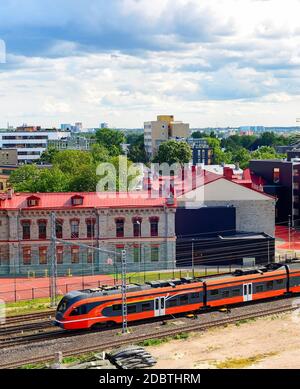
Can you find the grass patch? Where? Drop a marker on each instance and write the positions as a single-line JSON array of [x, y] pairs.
[[240, 363], [66, 361], [79, 359], [244, 321], [154, 276], [31, 366], [159, 341], [28, 306]]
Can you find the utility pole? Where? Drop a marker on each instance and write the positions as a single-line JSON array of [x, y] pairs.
[[124, 291], [140, 247], [144, 254], [289, 224], [53, 259], [193, 265]]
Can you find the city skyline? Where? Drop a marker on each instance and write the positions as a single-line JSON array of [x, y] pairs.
[[214, 64]]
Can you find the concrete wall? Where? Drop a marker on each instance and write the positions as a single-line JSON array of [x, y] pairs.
[[251, 216]]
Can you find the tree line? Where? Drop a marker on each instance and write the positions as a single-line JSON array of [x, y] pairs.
[[75, 170]]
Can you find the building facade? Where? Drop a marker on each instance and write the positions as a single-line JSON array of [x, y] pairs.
[[30, 142], [281, 179], [161, 130], [202, 153], [72, 143], [144, 227], [8, 157], [254, 210]]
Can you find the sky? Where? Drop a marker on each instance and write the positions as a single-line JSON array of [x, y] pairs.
[[208, 62]]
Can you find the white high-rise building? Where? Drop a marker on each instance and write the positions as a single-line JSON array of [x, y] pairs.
[[30, 142]]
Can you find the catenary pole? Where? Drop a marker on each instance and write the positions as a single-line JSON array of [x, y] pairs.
[[124, 296], [53, 261]]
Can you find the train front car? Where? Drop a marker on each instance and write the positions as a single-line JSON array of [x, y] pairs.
[[96, 308], [65, 308]]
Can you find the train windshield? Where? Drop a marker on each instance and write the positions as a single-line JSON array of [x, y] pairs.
[[62, 306]]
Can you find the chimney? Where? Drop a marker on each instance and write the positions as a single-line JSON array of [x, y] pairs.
[[170, 201], [193, 177], [10, 193], [228, 172]]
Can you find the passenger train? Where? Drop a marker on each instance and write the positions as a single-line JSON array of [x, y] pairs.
[[94, 308]]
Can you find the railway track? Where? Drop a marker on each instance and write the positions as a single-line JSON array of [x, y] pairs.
[[26, 323], [20, 329], [27, 318], [33, 338], [131, 338]]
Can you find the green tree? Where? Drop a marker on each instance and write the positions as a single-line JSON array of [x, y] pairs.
[[99, 153], [69, 161], [48, 155], [137, 152], [265, 152], [85, 179], [174, 152], [111, 139], [24, 178], [52, 180], [219, 155], [198, 135], [241, 156]]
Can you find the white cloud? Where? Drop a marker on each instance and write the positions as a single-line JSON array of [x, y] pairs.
[[225, 62]]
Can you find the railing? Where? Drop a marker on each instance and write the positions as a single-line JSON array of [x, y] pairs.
[[14, 290]]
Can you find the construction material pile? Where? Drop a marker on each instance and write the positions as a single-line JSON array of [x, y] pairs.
[[132, 357]]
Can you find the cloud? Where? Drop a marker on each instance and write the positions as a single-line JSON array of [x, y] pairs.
[[124, 61], [32, 27]]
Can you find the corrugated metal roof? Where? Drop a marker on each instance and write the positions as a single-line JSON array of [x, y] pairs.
[[90, 200]]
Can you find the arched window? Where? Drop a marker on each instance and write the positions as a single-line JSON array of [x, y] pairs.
[[154, 226], [42, 225], [120, 227], [137, 227], [74, 228]]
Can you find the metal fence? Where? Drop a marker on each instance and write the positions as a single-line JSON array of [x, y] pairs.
[[31, 288]]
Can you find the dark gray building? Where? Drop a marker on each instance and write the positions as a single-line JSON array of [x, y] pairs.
[[281, 179]]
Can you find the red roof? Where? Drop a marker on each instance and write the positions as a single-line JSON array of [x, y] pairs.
[[90, 200], [193, 180]]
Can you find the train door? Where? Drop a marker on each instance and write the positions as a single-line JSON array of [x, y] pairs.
[[247, 292], [159, 306]]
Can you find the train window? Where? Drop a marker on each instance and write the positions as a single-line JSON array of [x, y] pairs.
[[184, 299], [236, 292], [279, 282], [259, 288], [117, 307], [146, 307], [131, 308], [172, 303], [195, 295], [214, 292], [270, 285], [156, 304], [225, 293], [62, 306], [81, 310]]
